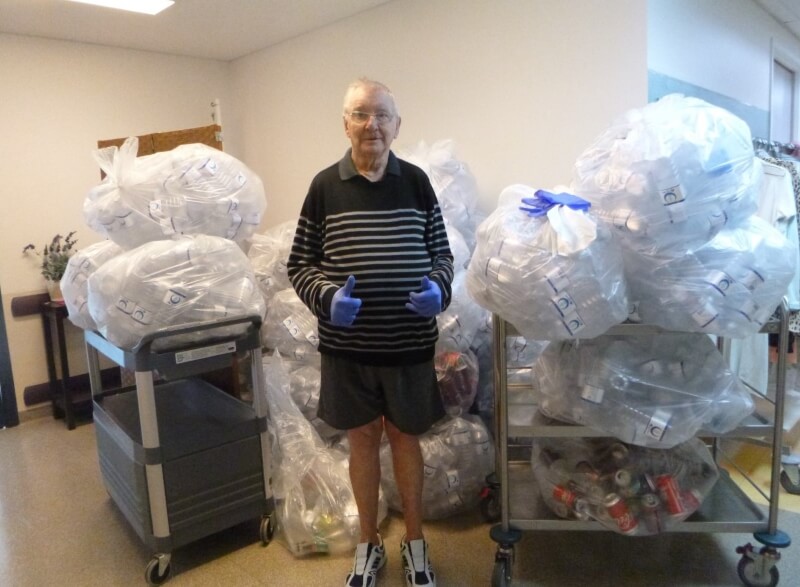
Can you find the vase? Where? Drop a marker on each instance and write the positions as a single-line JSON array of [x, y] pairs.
[[54, 289]]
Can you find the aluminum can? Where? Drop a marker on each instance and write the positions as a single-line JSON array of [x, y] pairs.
[[650, 506], [582, 511], [564, 495], [620, 513], [670, 493]]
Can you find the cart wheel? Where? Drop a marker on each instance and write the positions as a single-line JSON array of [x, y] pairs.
[[501, 573], [151, 572], [267, 529], [789, 484], [750, 575], [490, 506]]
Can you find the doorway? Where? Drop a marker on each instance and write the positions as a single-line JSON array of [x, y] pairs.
[[782, 103]]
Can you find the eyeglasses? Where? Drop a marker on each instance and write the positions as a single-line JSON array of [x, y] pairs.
[[360, 117]]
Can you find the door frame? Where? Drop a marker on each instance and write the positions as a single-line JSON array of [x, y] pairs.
[[9, 416]]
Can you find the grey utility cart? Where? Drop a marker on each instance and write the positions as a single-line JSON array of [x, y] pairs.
[[510, 501], [181, 458]]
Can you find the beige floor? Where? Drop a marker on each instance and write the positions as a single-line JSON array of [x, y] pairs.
[[59, 527]]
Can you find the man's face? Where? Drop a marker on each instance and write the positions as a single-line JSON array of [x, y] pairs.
[[369, 136]]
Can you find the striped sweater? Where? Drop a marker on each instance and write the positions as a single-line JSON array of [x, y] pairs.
[[388, 234]]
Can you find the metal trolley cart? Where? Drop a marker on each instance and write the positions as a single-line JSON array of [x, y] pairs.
[[181, 458], [726, 509]]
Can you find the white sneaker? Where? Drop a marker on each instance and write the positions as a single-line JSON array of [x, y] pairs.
[[366, 564], [417, 564]]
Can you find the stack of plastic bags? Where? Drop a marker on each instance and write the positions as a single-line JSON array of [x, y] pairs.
[[546, 265], [177, 224], [628, 489], [677, 182]]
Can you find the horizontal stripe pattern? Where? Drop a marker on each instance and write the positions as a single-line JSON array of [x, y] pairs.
[[388, 235]]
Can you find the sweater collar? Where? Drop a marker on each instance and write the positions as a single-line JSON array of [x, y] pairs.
[[347, 169]]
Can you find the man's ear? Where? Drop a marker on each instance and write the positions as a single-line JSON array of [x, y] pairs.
[[397, 128]]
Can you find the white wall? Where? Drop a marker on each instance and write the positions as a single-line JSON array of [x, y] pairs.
[[719, 45], [57, 100], [522, 87]]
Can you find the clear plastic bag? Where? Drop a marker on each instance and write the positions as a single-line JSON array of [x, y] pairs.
[[654, 390], [173, 282], [452, 181], [457, 376], [290, 327], [729, 287], [458, 454], [667, 177], [269, 254], [459, 323], [192, 189], [632, 490], [74, 283], [314, 503], [554, 277]]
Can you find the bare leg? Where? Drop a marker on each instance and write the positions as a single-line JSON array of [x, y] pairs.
[[409, 473], [365, 475]]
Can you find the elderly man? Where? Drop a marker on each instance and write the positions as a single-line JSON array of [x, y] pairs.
[[371, 260]]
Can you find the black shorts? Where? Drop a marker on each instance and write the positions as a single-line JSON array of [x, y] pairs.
[[352, 395]]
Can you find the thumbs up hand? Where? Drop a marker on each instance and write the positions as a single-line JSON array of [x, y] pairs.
[[428, 301], [343, 307]]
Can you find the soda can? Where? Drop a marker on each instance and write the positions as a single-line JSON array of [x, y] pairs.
[[670, 493], [619, 512], [563, 495], [581, 509], [650, 506]]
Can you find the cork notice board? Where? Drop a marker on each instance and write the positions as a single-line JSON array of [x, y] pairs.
[[166, 141]]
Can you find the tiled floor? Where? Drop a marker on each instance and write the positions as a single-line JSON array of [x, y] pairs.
[[59, 527]]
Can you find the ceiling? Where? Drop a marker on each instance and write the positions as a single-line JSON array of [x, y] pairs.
[[786, 12], [213, 29]]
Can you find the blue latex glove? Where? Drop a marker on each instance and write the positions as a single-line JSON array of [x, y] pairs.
[[544, 200], [428, 301], [343, 307]]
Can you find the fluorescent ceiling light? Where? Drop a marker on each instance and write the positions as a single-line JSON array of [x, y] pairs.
[[143, 6]]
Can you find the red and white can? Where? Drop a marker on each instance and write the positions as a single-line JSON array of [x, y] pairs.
[[619, 512], [670, 494], [563, 495]]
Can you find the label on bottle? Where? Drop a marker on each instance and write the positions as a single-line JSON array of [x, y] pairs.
[[720, 281], [556, 280], [751, 279], [174, 297], [657, 425]]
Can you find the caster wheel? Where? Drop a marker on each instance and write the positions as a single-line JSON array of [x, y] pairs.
[[790, 485], [501, 573], [267, 529], [490, 507], [752, 577], [152, 575]]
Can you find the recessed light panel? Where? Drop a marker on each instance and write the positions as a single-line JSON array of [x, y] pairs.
[[143, 6]]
